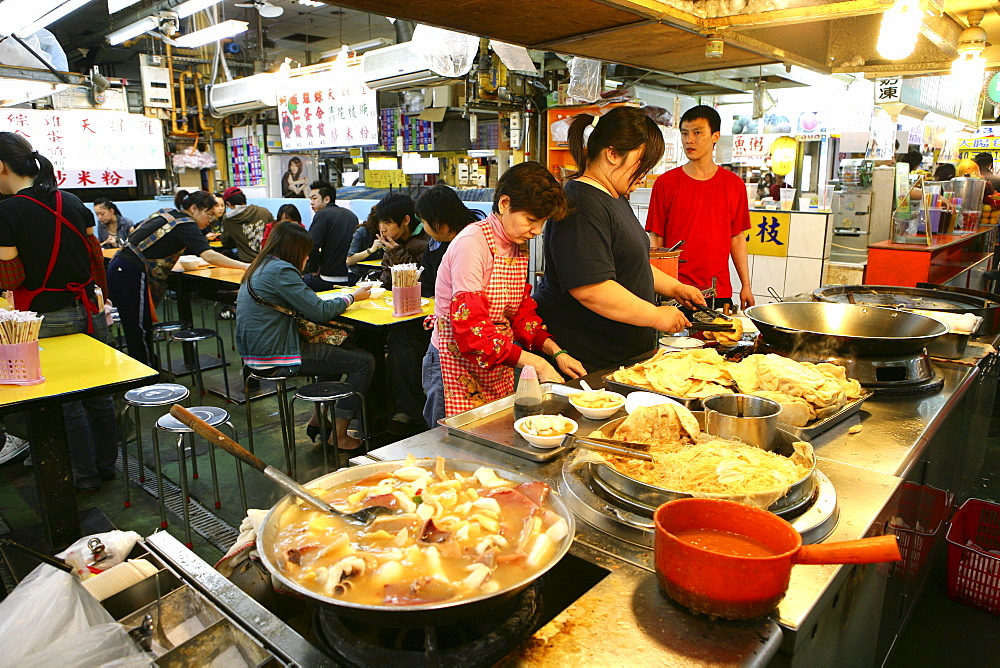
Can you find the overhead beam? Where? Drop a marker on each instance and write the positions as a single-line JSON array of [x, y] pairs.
[[554, 44], [777, 17], [770, 51]]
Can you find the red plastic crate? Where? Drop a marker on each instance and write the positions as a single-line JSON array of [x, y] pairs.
[[973, 572], [927, 509]]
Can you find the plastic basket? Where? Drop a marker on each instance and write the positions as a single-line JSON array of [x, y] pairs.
[[19, 364], [406, 301], [921, 514], [973, 572]]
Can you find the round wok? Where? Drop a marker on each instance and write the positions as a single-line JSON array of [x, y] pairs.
[[741, 587], [430, 614], [817, 329], [652, 496]]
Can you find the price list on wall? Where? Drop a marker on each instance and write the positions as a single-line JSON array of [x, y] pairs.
[[245, 165]]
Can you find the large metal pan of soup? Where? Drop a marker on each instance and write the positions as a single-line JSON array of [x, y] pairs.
[[462, 539]]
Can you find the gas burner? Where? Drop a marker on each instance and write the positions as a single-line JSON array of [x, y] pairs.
[[890, 376], [479, 640], [633, 522]]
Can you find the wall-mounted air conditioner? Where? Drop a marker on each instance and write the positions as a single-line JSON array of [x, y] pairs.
[[396, 67], [247, 94]]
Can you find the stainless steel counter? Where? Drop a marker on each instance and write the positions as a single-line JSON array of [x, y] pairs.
[[626, 617]]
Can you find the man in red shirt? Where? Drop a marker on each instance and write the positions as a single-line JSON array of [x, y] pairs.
[[707, 207]]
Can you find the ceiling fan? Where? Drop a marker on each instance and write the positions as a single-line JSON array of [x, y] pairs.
[[264, 8]]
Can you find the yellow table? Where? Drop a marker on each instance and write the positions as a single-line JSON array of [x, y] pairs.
[[225, 274], [75, 367], [376, 311], [109, 253], [371, 263]]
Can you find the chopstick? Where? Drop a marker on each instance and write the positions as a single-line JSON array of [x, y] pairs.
[[711, 327]]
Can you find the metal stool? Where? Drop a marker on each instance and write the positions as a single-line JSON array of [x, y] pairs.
[[193, 336], [161, 332], [327, 393], [213, 416], [161, 394], [285, 416]]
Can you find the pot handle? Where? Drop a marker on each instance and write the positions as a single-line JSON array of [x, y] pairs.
[[864, 551], [216, 437]]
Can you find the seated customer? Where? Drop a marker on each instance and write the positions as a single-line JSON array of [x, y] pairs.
[[112, 226], [399, 232], [287, 213], [331, 230], [443, 215], [365, 245], [268, 339], [244, 224]]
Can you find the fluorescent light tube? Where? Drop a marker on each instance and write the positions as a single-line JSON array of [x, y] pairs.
[[190, 7], [141, 26], [212, 34], [53, 16]]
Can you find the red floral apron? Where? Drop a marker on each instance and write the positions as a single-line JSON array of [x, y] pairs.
[[466, 384], [23, 297]]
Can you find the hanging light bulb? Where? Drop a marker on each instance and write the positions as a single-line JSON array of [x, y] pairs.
[[968, 69], [900, 25]]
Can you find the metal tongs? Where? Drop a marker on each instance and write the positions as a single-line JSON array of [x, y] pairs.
[[712, 312], [610, 446]]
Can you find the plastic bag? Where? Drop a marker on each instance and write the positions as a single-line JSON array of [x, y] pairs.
[[584, 79], [13, 54], [51, 608], [117, 545], [104, 645], [51, 47], [447, 53]]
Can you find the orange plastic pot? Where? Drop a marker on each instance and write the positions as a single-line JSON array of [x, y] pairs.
[[737, 587]]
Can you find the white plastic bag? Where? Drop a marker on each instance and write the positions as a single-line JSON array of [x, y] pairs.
[[49, 608], [447, 53], [117, 545], [584, 79], [15, 55], [107, 645]]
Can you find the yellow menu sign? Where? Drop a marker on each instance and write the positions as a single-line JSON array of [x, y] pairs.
[[768, 234], [385, 178]]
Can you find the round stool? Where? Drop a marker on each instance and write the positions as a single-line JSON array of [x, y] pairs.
[[285, 418], [327, 393], [161, 332], [161, 394], [214, 417], [192, 337]]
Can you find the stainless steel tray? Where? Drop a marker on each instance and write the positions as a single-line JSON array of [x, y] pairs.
[[493, 424], [804, 433], [813, 429], [623, 388]]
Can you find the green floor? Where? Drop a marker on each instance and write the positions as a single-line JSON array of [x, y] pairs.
[[940, 632]]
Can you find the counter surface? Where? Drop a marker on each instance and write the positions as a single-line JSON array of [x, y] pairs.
[[864, 469]]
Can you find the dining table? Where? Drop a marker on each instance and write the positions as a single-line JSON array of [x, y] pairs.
[[75, 367]]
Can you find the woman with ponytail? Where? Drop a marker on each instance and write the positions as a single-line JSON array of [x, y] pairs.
[[137, 276], [599, 290], [52, 261]]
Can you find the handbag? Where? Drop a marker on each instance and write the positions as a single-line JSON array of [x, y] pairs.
[[340, 334]]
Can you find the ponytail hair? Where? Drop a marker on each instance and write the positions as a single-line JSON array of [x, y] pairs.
[[623, 129], [109, 205], [17, 154], [200, 199]]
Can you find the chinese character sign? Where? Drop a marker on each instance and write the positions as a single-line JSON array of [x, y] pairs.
[[76, 139], [768, 233], [333, 108], [748, 147], [887, 90], [95, 178]]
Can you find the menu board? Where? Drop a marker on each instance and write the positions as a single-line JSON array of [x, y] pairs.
[[95, 178], [90, 139], [333, 108]]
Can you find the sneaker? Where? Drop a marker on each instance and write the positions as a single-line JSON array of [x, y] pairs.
[[13, 448]]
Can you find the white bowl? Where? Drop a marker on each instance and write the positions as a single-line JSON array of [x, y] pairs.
[[599, 413], [190, 265], [681, 342], [542, 441], [377, 292]]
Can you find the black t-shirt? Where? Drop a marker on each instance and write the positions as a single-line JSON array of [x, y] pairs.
[[600, 240], [431, 262], [332, 228], [185, 236], [31, 229]]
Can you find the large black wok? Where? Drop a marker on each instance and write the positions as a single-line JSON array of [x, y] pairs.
[[411, 615], [817, 329]]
